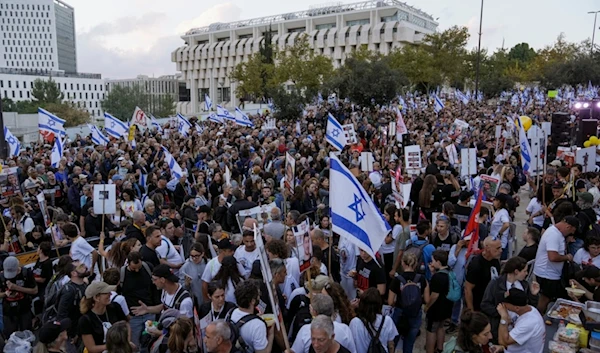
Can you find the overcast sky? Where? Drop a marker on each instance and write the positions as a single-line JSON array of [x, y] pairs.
[[124, 38]]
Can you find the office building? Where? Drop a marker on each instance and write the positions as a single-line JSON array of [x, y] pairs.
[[211, 53], [156, 89]]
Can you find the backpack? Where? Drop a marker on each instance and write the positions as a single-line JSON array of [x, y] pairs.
[[410, 294], [123, 268], [239, 345], [451, 346], [302, 317], [454, 288], [418, 251], [51, 312], [375, 346], [52, 290]]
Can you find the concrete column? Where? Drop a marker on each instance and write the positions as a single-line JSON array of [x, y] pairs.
[[194, 96], [213, 90]]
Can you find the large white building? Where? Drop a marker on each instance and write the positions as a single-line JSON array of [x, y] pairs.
[[38, 42], [157, 88], [210, 53]]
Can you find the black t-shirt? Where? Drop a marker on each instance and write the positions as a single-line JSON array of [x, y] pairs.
[[138, 286], [442, 308], [335, 264], [18, 302], [341, 350], [462, 213], [369, 275], [98, 325], [479, 273], [529, 252], [44, 270], [150, 256], [445, 244], [409, 277]]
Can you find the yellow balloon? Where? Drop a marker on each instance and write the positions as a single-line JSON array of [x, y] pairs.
[[593, 140], [525, 121], [587, 144]]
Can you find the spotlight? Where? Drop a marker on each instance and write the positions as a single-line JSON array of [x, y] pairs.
[[598, 104], [577, 105], [586, 105]]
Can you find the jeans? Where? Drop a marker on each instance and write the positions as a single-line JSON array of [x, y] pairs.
[[410, 336], [456, 312], [504, 255], [574, 246], [137, 324]]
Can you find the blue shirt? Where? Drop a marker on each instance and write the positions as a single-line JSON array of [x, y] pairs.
[[427, 252]]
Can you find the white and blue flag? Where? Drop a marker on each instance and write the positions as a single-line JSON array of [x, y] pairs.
[[14, 146], [207, 103], [438, 105], [353, 212], [184, 125], [215, 118], [270, 104], [57, 152], [173, 165], [224, 113], [98, 137], [51, 123], [155, 123], [242, 119], [335, 133], [460, 96], [525, 148], [115, 127]]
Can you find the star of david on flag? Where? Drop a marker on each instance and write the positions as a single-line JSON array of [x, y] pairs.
[[14, 146], [115, 127], [334, 133]]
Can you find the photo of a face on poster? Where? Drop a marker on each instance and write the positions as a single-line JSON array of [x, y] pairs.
[[290, 168], [303, 244]]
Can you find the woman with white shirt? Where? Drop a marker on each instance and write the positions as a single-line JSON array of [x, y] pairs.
[[501, 223], [369, 322], [230, 277], [588, 255], [535, 213]]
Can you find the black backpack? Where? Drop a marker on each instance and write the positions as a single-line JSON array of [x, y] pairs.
[[302, 317], [51, 312], [375, 346], [418, 251], [239, 345], [411, 297]]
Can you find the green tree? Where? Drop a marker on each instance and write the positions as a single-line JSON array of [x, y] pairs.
[[493, 79], [46, 91], [521, 53], [8, 105], [255, 77], [417, 65], [288, 105], [121, 101], [448, 49], [165, 106]]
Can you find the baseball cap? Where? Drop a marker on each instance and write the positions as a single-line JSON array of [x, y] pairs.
[[168, 317], [225, 244], [11, 267], [585, 197], [50, 331], [164, 271], [558, 185], [589, 272], [96, 288], [556, 163], [82, 176], [572, 221], [465, 195], [117, 177], [516, 297]]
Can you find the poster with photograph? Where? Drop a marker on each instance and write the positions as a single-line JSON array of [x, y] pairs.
[[587, 158], [351, 137], [9, 183], [106, 194], [290, 172], [303, 244], [490, 186], [268, 277], [262, 214], [412, 157], [457, 128], [43, 208]]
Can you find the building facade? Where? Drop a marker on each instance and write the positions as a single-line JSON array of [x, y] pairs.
[[65, 37], [156, 88], [211, 53]]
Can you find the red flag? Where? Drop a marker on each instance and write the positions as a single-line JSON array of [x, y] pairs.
[[472, 228]]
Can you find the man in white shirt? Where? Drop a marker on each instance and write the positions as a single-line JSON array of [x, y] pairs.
[[375, 176], [550, 258], [253, 330], [323, 305], [168, 254], [22, 222], [226, 248], [81, 251], [248, 253], [528, 334]]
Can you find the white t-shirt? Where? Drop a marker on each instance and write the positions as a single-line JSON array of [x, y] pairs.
[[186, 308], [212, 268], [500, 217], [254, 332], [533, 208], [553, 240], [342, 333], [292, 279], [362, 339], [119, 299], [166, 250], [529, 332], [246, 259], [25, 224], [583, 257], [389, 248], [81, 251]]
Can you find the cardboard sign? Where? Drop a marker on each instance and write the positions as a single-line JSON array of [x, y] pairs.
[[267, 277], [468, 161], [537, 162], [490, 186], [452, 154], [262, 214], [366, 161], [350, 134], [131, 135], [105, 199], [412, 157], [587, 158], [498, 131], [290, 172], [303, 244]]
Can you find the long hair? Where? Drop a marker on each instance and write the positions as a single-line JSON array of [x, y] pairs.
[[117, 338], [471, 324], [429, 185], [119, 251], [370, 304], [228, 271], [85, 305], [340, 301], [178, 333]]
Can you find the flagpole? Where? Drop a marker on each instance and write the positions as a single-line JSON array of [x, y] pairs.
[[3, 144]]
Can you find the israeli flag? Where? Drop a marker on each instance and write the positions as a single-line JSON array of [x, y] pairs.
[[270, 104], [242, 119], [14, 146], [184, 125], [199, 129], [49, 122], [335, 133], [57, 152], [143, 180], [173, 165], [215, 118], [207, 103], [224, 113], [155, 123], [319, 98], [353, 212], [98, 137], [525, 148], [460, 96], [438, 105], [402, 103], [115, 127]]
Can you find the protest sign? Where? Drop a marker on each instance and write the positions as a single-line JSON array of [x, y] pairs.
[[303, 244]]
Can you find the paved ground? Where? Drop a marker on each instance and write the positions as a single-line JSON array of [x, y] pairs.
[[520, 219]]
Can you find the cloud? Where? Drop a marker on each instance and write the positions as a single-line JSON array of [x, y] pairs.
[[226, 12], [125, 25]]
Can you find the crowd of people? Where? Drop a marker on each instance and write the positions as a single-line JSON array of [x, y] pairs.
[[176, 270]]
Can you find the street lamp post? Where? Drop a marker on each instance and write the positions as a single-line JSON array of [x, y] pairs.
[[593, 30], [478, 53]]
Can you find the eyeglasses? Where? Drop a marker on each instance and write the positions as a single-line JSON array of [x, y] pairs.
[[195, 256]]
